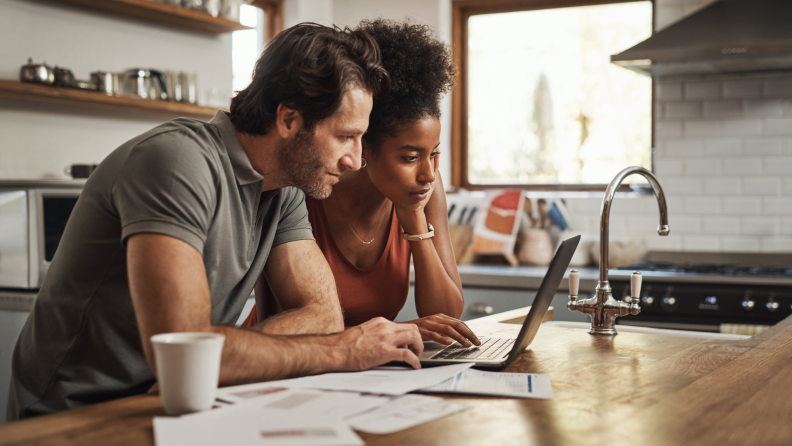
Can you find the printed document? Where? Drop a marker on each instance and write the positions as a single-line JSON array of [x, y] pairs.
[[390, 381], [477, 382], [288, 420], [404, 412]]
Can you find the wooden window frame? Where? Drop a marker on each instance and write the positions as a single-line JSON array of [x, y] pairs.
[[461, 12], [273, 15]]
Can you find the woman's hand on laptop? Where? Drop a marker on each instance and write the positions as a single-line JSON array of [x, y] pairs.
[[380, 341], [445, 330]]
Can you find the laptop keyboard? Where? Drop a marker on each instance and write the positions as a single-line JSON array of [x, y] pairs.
[[490, 348]]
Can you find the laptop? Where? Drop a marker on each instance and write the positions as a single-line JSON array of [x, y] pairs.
[[498, 353]]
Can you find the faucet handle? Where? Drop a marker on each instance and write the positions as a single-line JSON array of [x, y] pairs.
[[574, 282], [635, 284]]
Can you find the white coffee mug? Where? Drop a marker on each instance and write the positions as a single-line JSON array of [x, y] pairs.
[[188, 369]]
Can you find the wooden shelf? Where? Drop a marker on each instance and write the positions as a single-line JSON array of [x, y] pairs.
[[161, 13], [95, 100]]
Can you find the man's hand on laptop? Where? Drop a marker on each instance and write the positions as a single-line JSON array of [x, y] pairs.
[[445, 330], [380, 341]]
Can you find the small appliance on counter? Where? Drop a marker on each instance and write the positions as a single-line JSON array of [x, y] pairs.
[[33, 215]]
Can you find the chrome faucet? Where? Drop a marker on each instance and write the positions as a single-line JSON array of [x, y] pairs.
[[602, 307]]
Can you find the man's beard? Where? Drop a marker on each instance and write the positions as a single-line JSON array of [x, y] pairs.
[[302, 165]]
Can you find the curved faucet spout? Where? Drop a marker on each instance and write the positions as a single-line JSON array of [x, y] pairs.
[[662, 229]]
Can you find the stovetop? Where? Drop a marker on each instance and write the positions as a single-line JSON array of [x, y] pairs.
[[712, 269]]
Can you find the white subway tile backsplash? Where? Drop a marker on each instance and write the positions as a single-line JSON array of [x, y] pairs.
[[685, 224], [777, 206], [778, 126], [742, 88], [721, 225], [764, 107], [740, 244], [700, 243], [703, 128], [786, 226], [668, 91], [683, 186], [761, 186], [717, 147], [777, 244], [788, 106], [741, 206], [778, 86], [742, 127], [671, 243], [668, 129], [722, 186], [682, 110], [778, 166], [766, 146], [702, 206], [683, 148], [668, 167], [741, 166], [702, 167], [642, 224], [702, 90], [760, 226], [724, 157], [722, 108]]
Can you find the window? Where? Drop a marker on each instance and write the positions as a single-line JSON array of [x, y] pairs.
[[266, 16], [246, 46], [539, 103]]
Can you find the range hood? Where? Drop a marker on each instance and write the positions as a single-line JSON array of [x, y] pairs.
[[728, 36]]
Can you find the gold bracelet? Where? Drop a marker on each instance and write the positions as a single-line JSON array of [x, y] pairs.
[[419, 237]]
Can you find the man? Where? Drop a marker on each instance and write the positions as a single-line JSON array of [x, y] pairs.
[[174, 228]]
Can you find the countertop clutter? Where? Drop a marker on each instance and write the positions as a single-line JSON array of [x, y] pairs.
[[627, 389]]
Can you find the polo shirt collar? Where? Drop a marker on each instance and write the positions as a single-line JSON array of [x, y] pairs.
[[243, 170]]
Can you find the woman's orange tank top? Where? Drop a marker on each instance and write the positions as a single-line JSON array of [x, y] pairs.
[[380, 290]]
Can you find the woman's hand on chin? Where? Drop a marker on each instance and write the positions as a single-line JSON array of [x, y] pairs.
[[411, 214], [445, 330]]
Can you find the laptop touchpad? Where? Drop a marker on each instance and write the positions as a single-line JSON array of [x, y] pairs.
[[431, 348]]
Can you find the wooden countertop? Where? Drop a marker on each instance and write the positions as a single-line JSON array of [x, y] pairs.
[[631, 389]]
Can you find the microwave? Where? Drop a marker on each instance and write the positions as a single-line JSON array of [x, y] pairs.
[[33, 215]]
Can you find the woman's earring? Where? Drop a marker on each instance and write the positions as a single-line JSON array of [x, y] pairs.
[[364, 163]]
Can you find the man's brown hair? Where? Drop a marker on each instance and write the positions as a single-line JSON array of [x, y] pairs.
[[308, 67]]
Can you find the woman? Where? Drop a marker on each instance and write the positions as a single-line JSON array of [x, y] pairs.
[[397, 191]]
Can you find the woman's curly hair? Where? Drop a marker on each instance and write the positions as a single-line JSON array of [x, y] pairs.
[[421, 71]]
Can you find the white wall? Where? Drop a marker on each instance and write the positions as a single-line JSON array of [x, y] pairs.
[[37, 140]]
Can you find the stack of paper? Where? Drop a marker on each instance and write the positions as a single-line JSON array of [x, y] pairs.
[[295, 412], [323, 410]]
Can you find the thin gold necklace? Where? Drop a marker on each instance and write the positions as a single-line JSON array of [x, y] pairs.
[[375, 232]]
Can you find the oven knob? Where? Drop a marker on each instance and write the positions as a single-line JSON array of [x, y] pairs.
[[772, 306], [748, 304], [669, 303]]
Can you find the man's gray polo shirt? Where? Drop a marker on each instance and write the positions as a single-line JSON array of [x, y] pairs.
[[188, 179]]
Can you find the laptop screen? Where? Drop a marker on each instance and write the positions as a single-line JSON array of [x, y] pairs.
[[544, 296]]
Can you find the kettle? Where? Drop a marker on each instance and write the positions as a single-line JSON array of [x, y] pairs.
[[144, 84]]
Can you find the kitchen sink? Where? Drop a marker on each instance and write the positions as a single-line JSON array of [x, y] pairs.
[[652, 331]]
